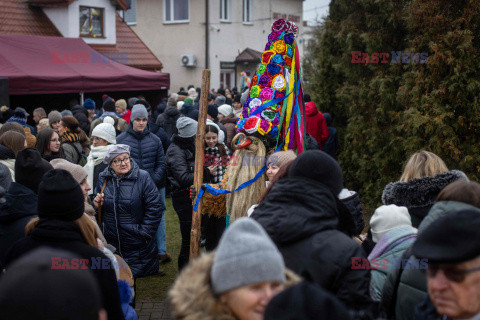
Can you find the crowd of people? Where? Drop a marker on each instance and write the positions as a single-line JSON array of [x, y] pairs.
[[90, 184]]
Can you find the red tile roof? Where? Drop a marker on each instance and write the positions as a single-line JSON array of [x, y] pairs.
[[17, 17], [119, 4], [130, 46]]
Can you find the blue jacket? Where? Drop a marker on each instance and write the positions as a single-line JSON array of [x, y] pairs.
[[131, 214], [147, 150]]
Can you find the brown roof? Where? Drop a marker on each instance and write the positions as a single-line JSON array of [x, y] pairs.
[[119, 4], [129, 46], [249, 55], [17, 17]]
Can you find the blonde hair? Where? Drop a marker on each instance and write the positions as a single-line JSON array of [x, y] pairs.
[[423, 164], [86, 226]]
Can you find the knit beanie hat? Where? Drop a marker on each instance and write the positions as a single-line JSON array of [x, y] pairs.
[[89, 104], [109, 105], [387, 218], [187, 127], [5, 177], [139, 111], [66, 113], [60, 196], [192, 93], [180, 104], [115, 151], [225, 109], [77, 172], [54, 116], [212, 111], [37, 287], [30, 168], [279, 158], [171, 102], [122, 104], [105, 131], [188, 101], [108, 120], [319, 166], [220, 100], [245, 255]]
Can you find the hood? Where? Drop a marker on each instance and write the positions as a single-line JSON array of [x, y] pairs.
[[419, 192], [229, 119], [186, 108], [296, 208], [79, 109], [6, 153], [172, 111], [20, 201], [442, 208], [50, 230], [310, 109], [192, 298]]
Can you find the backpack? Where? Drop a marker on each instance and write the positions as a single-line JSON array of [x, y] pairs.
[[82, 157]]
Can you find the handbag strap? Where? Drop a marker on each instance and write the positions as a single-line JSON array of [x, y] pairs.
[[100, 207]]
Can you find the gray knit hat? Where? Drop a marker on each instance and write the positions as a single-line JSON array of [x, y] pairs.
[[139, 111], [54, 116], [187, 127], [5, 177], [220, 100], [115, 150], [105, 131], [245, 255]]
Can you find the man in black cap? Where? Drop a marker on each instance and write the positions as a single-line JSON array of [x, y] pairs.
[[452, 246]]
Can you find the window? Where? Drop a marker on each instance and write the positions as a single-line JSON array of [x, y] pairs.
[[247, 11], [130, 16], [176, 11], [91, 22], [224, 10]]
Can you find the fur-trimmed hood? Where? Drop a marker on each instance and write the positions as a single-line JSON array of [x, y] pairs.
[[419, 192], [192, 298]]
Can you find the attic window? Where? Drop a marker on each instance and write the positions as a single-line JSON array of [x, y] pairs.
[[91, 22]]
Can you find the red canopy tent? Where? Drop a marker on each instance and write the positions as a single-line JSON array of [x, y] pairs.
[[53, 65]]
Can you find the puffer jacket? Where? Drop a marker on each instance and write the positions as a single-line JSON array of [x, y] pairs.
[[309, 240], [180, 163], [81, 114], [159, 132], [419, 195], [19, 207], [192, 297], [147, 150], [168, 121], [131, 214], [404, 289], [351, 200]]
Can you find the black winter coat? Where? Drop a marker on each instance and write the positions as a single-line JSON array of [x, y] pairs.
[[131, 214], [66, 236], [426, 311], [189, 111], [419, 195], [147, 150], [19, 207], [300, 215], [159, 132], [168, 121], [354, 206], [81, 114]]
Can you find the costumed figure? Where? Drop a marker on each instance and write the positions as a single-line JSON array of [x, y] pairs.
[[272, 119]]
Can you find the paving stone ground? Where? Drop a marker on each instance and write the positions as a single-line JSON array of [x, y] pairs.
[[153, 310]]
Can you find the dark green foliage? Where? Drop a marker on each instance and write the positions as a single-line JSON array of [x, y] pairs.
[[384, 112]]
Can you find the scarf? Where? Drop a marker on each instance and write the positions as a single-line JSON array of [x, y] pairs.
[[213, 157], [70, 137], [123, 113], [94, 158], [394, 238]]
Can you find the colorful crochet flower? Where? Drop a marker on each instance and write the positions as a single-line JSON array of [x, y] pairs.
[[253, 81], [279, 94], [251, 125], [273, 69], [279, 47], [280, 25], [266, 94], [268, 46], [245, 112], [274, 35], [288, 62], [279, 83], [267, 55], [276, 121], [268, 114], [264, 127], [261, 69], [255, 91], [274, 131], [288, 38], [289, 51], [240, 124], [264, 80], [254, 103], [278, 58]]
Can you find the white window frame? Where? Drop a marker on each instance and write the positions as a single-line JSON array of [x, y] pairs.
[[247, 12], [131, 23], [172, 13], [226, 3]]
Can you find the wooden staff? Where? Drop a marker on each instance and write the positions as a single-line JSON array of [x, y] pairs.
[[199, 150]]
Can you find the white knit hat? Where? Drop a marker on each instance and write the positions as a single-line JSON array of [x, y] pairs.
[[180, 104], [225, 109], [387, 218], [105, 131], [109, 119]]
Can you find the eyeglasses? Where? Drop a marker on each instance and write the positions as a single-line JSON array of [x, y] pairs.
[[54, 140], [453, 274], [117, 162]]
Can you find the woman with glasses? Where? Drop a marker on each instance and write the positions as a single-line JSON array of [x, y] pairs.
[[129, 203], [48, 144]]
